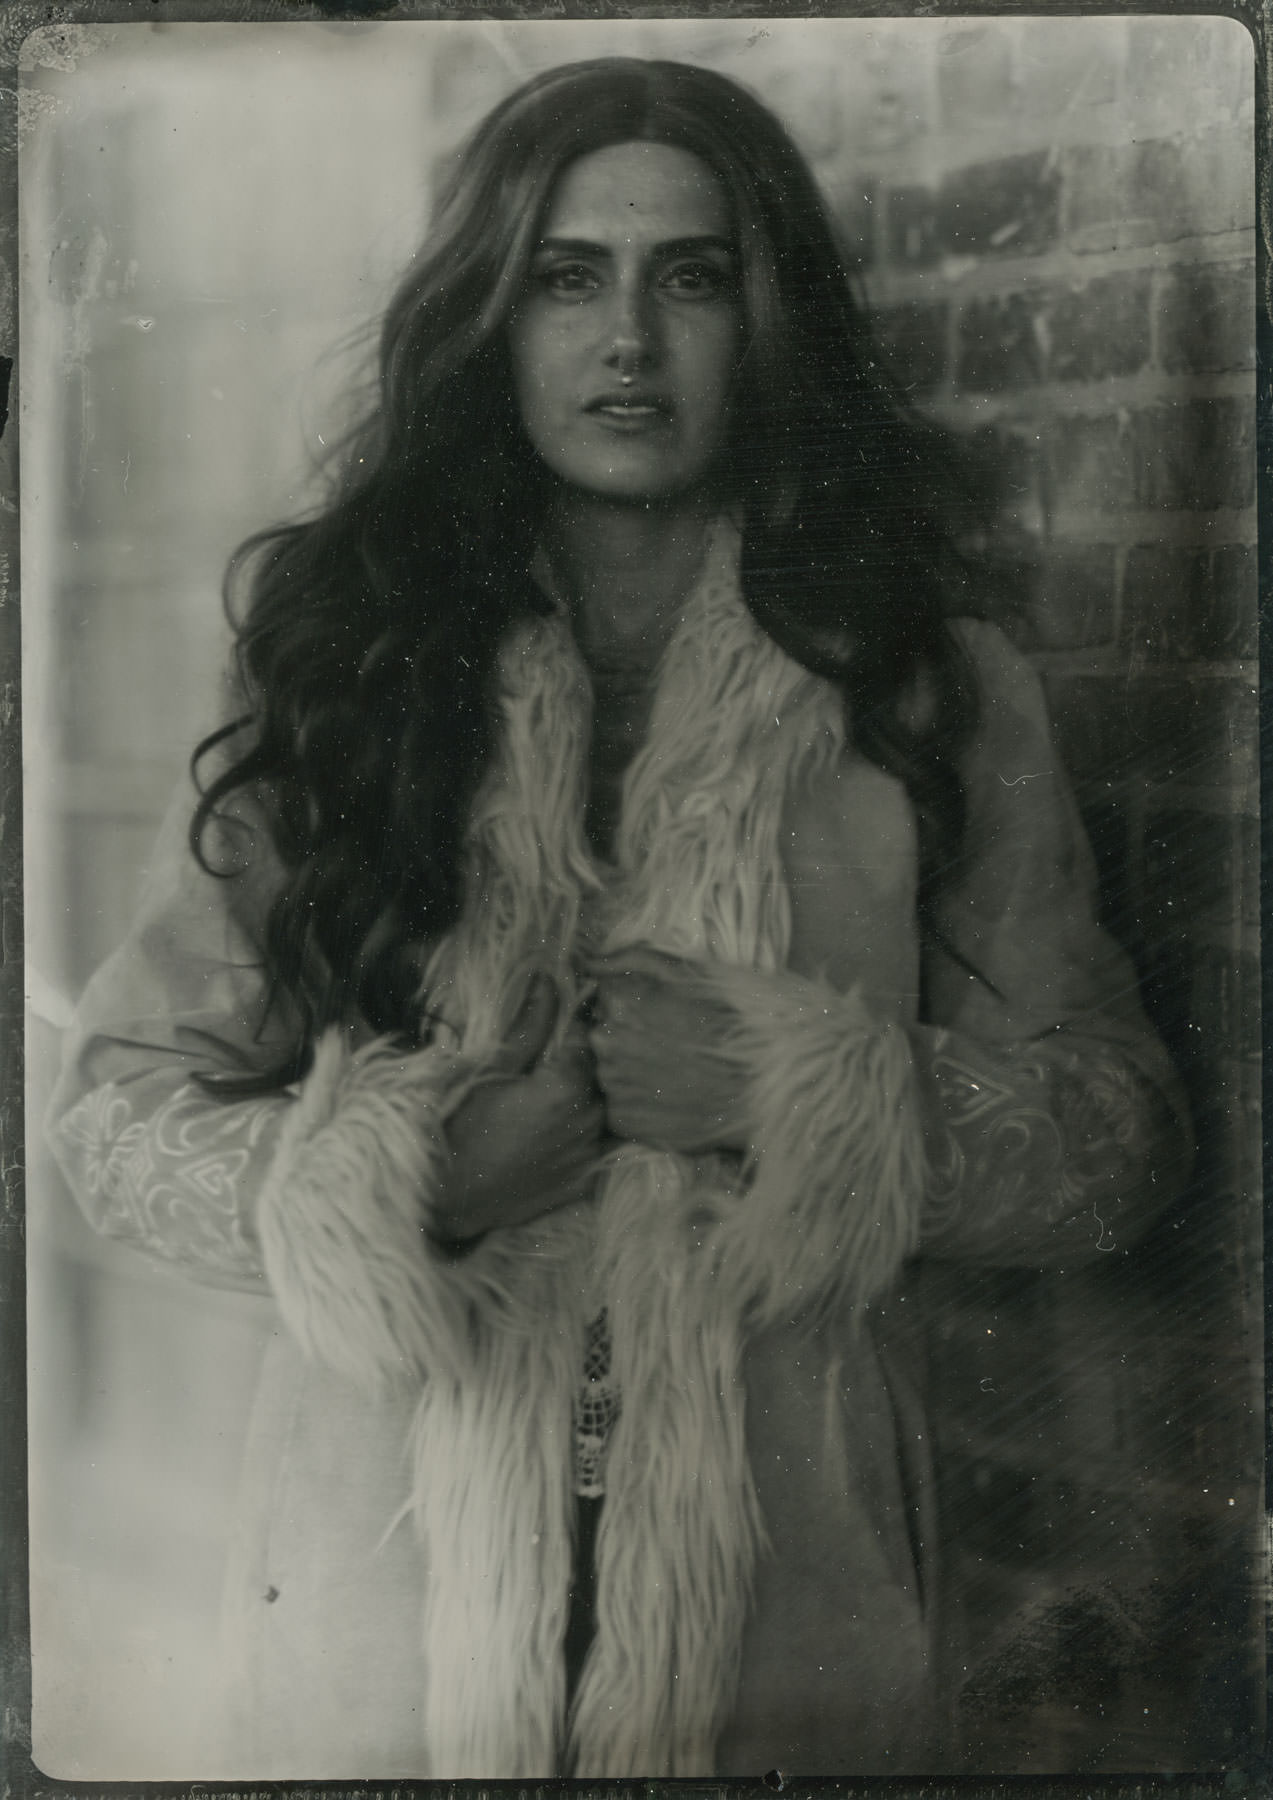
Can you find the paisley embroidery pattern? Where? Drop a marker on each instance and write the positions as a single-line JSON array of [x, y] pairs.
[[1029, 1140], [168, 1178]]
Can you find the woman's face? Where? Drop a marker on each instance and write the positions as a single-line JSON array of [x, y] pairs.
[[625, 343]]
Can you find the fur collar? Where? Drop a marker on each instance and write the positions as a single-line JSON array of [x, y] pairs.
[[686, 1258]]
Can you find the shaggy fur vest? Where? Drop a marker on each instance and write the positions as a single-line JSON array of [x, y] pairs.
[[687, 1256]]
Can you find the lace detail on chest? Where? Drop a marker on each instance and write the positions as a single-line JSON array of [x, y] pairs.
[[596, 1411]]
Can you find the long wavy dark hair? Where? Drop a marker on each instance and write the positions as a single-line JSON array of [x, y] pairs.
[[366, 647]]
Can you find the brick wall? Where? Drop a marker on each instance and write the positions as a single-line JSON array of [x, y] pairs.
[[1056, 228]]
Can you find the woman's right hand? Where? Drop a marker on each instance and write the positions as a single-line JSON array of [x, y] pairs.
[[527, 1140]]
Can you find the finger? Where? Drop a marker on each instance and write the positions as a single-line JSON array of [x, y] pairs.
[[602, 1048], [558, 1098], [592, 1119], [581, 1062], [533, 1026], [628, 1123], [572, 1055], [574, 1038], [620, 997], [638, 960], [566, 1094]]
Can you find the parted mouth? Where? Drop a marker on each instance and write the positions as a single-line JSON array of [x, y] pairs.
[[628, 403]]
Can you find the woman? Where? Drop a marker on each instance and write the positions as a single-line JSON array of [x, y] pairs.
[[628, 922]]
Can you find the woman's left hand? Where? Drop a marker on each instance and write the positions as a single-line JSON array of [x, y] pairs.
[[659, 1040]]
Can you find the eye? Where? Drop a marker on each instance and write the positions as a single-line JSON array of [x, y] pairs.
[[570, 280], [699, 278]]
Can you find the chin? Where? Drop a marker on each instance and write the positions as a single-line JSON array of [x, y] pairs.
[[653, 494], [648, 488]]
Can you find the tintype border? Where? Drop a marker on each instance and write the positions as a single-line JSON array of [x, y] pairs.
[[19, 1777]]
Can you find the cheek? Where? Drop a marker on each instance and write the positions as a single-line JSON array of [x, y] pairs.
[[710, 361], [535, 357], [714, 398], [538, 381]]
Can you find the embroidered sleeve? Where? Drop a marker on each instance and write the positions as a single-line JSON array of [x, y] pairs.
[[1031, 1117], [317, 1194], [154, 1159], [1043, 1154], [170, 1171], [873, 1142], [1055, 1125]]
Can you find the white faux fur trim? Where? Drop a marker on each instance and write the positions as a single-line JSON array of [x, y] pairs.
[[491, 1450], [529, 873], [837, 1164], [342, 1213], [686, 1263], [733, 719], [820, 1220], [681, 1527]]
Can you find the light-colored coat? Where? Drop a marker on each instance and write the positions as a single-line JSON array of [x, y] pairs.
[[765, 1576]]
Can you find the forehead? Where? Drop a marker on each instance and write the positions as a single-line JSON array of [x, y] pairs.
[[637, 193]]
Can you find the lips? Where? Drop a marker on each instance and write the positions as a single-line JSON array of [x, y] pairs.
[[628, 408]]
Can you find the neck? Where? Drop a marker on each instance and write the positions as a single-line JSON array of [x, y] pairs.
[[626, 570]]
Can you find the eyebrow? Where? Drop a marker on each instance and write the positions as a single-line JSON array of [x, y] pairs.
[[684, 246]]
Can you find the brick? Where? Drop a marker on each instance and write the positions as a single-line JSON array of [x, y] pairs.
[[1213, 1104], [1096, 195], [912, 227], [1195, 187], [1197, 455], [1091, 464], [1002, 344], [1231, 620], [1190, 604], [1008, 207], [1085, 333], [1072, 607], [1100, 329], [1156, 177], [1224, 1001], [1152, 729], [1208, 59], [1063, 64], [1118, 196], [1011, 474], [912, 340], [1199, 731], [853, 206], [974, 76], [1194, 865], [1164, 988], [1163, 589], [1207, 319]]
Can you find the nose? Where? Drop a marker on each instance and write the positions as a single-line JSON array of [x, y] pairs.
[[632, 335]]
